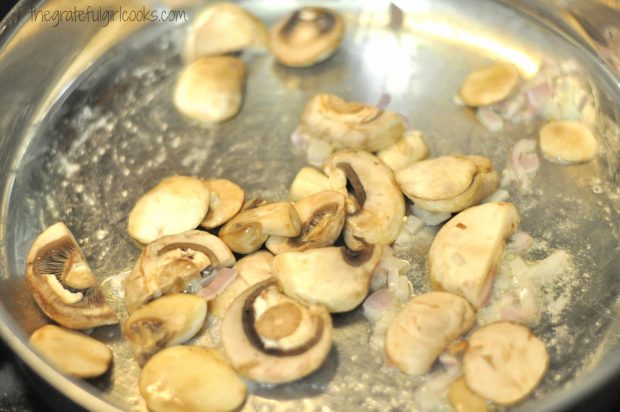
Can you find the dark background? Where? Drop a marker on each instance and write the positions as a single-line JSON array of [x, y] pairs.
[[21, 391]]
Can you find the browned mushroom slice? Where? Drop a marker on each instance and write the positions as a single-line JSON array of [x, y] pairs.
[[322, 218], [246, 232], [334, 277], [271, 338], [225, 201], [62, 283], [167, 321], [172, 263], [567, 142], [307, 36], [72, 352], [350, 125], [489, 85]]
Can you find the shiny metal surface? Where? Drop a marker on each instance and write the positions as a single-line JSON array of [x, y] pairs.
[[87, 125]]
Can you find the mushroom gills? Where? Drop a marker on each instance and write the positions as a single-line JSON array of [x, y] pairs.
[[405, 151], [271, 338], [322, 218], [350, 125], [448, 184], [424, 327], [167, 321], [172, 263], [62, 284], [465, 251], [73, 353], [489, 85], [307, 36], [225, 201]]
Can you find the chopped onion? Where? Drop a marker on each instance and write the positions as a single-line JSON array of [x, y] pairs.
[[430, 218], [519, 241], [218, 282], [491, 120], [300, 139], [499, 195], [543, 270], [378, 303], [384, 101], [317, 151]]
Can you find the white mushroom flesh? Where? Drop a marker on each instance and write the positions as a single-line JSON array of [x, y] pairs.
[[465, 252], [504, 362], [423, 329], [405, 151], [450, 183], [307, 182], [489, 85], [211, 89], [174, 205], [567, 142], [225, 201], [72, 352], [190, 379]]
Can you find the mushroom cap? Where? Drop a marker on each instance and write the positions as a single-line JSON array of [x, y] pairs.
[[190, 379], [381, 204], [465, 251], [334, 277], [225, 202], [72, 352], [167, 321], [224, 28], [489, 84], [62, 283], [567, 142], [307, 36], [448, 184], [211, 89], [423, 329], [171, 263], [307, 182], [174, 205], [250, 356], [351, 125], [504, 362]]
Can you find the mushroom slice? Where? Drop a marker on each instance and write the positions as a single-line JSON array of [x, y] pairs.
[[211, 88], [450, 183], [225, 202], [463, 255], [307, 182], [72, 352], [504, 362], [246, 232], [167, 321], [171, 264], [405, 151], [335, 277], [307, 36], [464, 399], [489, 85], [567, 142], [251, 270], [271, 338], [224, 28], [381, 205], [62, 283], [350, 125], [423, 329], [190, 379], [322, 218], [174, 205]]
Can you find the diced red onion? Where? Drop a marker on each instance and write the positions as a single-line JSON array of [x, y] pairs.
[[378, 303], [299, 139], [384, 101], [523, 157], [519, 241], [492, 121], [538, 94], [217, 282], [396, 17]]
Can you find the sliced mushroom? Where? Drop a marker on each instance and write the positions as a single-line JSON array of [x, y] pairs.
[[251, 270], [72, 352], [334, 277], [322, 217], [190, 379], [350, 125], [224, 28], [405, 151], [174, 205], [423, 329], [246, 232], [567, 142], [307, 182], [450, 183], [271, 338], [504, 362], [167, 321], [172, 263], [381, 207], [62, 283], [464, 253], [489, 85], [464, 399], [307, 36], [225, 202], [211, 89]]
